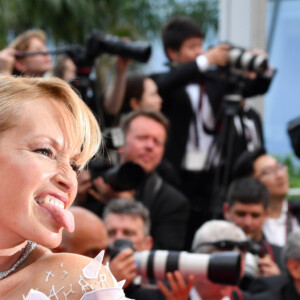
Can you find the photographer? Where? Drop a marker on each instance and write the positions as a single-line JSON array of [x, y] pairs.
[[194, 107], [32, 66], [286, 285], [145, 133], [215, 236], [127, 219], [247, 207]]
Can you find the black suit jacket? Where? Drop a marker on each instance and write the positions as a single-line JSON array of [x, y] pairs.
[[279, 287], [169, 212], [138, 292], [177, 106]]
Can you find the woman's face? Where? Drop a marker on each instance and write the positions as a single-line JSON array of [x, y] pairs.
[[35, 65], [38, 183], [150, 97]]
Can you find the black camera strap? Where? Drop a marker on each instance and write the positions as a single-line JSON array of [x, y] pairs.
[[202, 91]]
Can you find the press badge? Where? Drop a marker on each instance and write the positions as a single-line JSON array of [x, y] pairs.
[[195, 160]]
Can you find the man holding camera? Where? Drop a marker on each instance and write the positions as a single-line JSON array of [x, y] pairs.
[[247, 207], [145, 133], [128, 227], [215, 236], [32, 66], [194, 109], [286, 285]]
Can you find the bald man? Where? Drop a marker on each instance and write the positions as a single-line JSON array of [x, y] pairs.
[[89, 237]]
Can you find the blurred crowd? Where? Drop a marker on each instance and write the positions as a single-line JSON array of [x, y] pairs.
[[182, 167]]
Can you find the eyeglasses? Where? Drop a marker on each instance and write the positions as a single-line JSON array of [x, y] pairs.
[[228, 245], [269, 171]]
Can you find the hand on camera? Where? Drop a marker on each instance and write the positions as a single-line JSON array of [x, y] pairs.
[[123, 266], [103, 192], [218, 55], [179, 289], [267, 267]]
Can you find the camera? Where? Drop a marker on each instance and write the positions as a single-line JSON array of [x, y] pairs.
[[98, 43], [120, 244], [219, 267], [243, 59], [252, 257], [123, 177]]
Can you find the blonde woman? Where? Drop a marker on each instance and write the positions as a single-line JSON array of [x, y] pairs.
[[47, 135]]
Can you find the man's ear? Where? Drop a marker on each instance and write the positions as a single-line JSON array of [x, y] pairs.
[[293, 266], [226, 211], [134, 104], [148, 242], [172, 54]]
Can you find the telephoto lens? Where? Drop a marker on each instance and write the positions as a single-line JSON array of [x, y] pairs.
[[219, 267], [242, 59]]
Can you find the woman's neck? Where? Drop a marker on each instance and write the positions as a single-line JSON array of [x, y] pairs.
[[276, 208], [9, 256]]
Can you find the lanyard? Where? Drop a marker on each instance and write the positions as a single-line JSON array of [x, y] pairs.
[[202, 91]]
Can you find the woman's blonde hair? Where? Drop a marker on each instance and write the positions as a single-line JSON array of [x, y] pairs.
[[16, 90]]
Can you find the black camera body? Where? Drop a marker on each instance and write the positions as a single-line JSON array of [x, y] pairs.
[[241, 61], [121, 177], [119, 245]]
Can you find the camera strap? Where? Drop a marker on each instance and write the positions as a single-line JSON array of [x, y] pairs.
[[267, 249], [202, 91]]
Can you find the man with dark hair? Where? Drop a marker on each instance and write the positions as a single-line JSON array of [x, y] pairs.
[[282, 219], [194, 106], [130, 220], [247, 207], [180, 30]]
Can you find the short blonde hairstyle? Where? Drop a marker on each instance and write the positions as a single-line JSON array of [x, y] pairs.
[[16, 90], [21, 42]]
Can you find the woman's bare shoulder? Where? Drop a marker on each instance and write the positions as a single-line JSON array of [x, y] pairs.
[[58, 275]]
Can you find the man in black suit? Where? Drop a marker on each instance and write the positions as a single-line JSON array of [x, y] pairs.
[[194, 107], [145, 133], [284, 286]]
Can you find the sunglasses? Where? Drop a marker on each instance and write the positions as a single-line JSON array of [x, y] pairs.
[[228, 245]]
